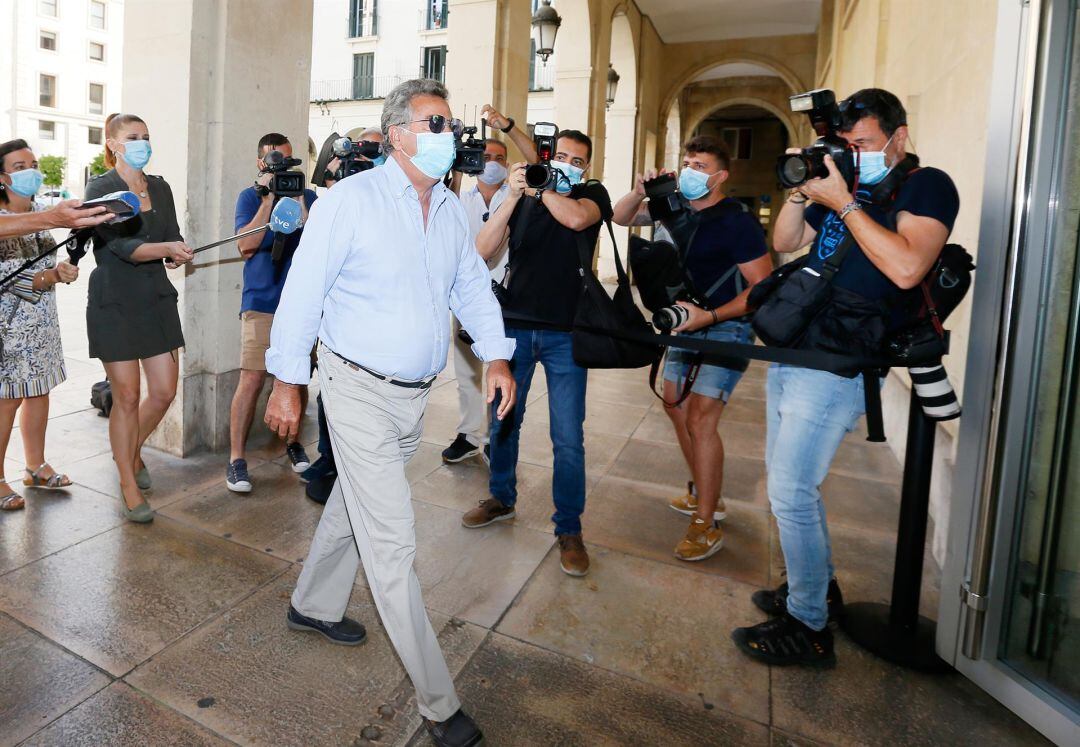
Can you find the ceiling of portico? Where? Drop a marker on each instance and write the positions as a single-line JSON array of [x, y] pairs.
[[735, 70], [712, 20]]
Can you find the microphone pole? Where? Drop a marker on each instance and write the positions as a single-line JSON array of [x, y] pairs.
[[7, 280], [231, 238]]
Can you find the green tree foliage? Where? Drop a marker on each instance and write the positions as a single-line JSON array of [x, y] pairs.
[[97, 166], [53, 169]]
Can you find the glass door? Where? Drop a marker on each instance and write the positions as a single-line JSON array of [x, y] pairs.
[[1015, 628]]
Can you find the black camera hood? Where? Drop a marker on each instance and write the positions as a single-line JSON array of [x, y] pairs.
[[326, 155]]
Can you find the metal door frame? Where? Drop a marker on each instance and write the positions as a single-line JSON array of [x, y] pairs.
[[1016, 222]]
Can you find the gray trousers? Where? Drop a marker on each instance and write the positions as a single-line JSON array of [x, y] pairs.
[[375, 429]]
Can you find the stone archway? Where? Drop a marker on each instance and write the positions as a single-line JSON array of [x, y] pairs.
[[772, 108]]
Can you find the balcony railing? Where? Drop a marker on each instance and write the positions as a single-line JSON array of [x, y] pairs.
[[354, 89], [542, 77], [364, 24]]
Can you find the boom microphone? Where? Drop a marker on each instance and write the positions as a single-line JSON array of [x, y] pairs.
[[285, 218]]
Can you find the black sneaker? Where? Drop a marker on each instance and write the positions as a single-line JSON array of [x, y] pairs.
[[297, 456], [486, 456], [237, 478], [346, 632], [457, 731], [784, 640], [460, 450], [774, 601], [322, 467]]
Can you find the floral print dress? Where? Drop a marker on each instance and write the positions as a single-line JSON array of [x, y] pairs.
[[31, 358]]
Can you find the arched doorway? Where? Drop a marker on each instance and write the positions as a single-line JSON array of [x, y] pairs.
[[755, 136]]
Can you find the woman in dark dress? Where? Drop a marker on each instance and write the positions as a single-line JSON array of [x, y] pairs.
[[131, 315]]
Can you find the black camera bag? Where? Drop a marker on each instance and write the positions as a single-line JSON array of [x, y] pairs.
[[101, 398]]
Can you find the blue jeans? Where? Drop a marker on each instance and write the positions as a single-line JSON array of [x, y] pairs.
[[566, 405], [808, 414], [714, 382]]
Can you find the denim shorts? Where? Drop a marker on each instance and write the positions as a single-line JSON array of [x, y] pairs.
[[715, 382]]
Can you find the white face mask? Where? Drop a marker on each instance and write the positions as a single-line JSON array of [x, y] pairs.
[[494, 173]]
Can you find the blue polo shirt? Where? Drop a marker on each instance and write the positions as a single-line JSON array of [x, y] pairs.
[[263, 280]]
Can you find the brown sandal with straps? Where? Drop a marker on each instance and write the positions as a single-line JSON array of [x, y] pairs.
[[53, 482], [12, 502]]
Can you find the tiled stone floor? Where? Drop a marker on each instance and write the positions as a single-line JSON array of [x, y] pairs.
[[173, 633]]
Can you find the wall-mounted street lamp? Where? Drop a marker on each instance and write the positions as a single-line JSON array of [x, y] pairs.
[[612, 85], [546, 22]]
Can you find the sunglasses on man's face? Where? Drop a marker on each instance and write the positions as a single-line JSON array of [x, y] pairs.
[[438, 123]]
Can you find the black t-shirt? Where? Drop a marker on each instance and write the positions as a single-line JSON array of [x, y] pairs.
[[727, 236], [544, 278], [928, 192]]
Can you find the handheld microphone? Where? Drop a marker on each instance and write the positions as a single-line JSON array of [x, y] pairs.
[[285, 218], [123, 205]]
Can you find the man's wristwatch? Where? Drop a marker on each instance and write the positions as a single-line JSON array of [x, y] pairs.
[[509, 126], [851, 207]]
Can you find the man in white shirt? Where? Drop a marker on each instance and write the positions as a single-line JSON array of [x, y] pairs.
[[480, 203], [386, 254]]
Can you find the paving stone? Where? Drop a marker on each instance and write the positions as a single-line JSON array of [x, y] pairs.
[[867, 701], [740, 437], [68, 438], [119, 716], [607, 419], [523, 695], [262, 683], [173, 477], [276, 517], [601, 449], [462, 486], [123, 595], [53, 520], [631, 518], [39, 681], [658, 609]]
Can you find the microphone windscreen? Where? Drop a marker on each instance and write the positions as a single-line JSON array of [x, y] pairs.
[[132, 200], [286, 216]]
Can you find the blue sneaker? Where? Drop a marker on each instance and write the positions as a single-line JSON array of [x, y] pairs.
[[323, 467], [237, 478]]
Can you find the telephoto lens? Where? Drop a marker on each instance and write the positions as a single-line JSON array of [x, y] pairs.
[[670, 317], [935, 393], [539, 176]]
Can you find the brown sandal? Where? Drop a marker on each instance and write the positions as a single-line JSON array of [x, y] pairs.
[[35, 480], [12, 502]]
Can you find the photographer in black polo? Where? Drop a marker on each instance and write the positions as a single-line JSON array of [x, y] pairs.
[[896, 242], [546, 227]]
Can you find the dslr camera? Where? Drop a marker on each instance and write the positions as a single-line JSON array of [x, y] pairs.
[[352, 156], [469, 155], [793, 169], [540, 175], [285, 183]]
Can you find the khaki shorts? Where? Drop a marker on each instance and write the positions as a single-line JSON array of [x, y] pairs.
[[254, 339]]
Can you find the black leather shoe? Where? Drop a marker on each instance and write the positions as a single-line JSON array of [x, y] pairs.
[[346, 633], [457, 731]]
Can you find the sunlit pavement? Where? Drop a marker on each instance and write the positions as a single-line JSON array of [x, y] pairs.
[[174, 633]]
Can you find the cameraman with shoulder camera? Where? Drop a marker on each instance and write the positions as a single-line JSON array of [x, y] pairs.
[[480, 203], [370, 135], [550, 228], [263, 280], [727, 249], [887, 244]]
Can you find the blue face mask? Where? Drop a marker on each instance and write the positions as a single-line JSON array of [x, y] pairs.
[[27, 182], [379, 160], [435, 153], [136, 153], [694, 184], [494, 173], [873, 166], [571, 175]]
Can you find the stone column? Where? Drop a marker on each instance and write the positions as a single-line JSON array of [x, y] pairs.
[[210, 78], [487, 59]]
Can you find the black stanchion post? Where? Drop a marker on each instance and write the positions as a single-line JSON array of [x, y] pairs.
[[896, 632]]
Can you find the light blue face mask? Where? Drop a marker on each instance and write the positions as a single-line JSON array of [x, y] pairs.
[[494, 173], [27, 182], [378, 160], [571, 175], [694, 184], [873, 166], [137, 153], [435, 153]]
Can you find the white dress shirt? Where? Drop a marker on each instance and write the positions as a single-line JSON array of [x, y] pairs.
[[376, 288], [477, 209]]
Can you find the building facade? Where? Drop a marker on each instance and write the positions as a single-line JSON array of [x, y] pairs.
[[62, 73]]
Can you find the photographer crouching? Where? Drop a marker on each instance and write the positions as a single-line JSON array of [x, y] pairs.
[[725, 257], [552, 220], [267, 259], [878, 224]]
